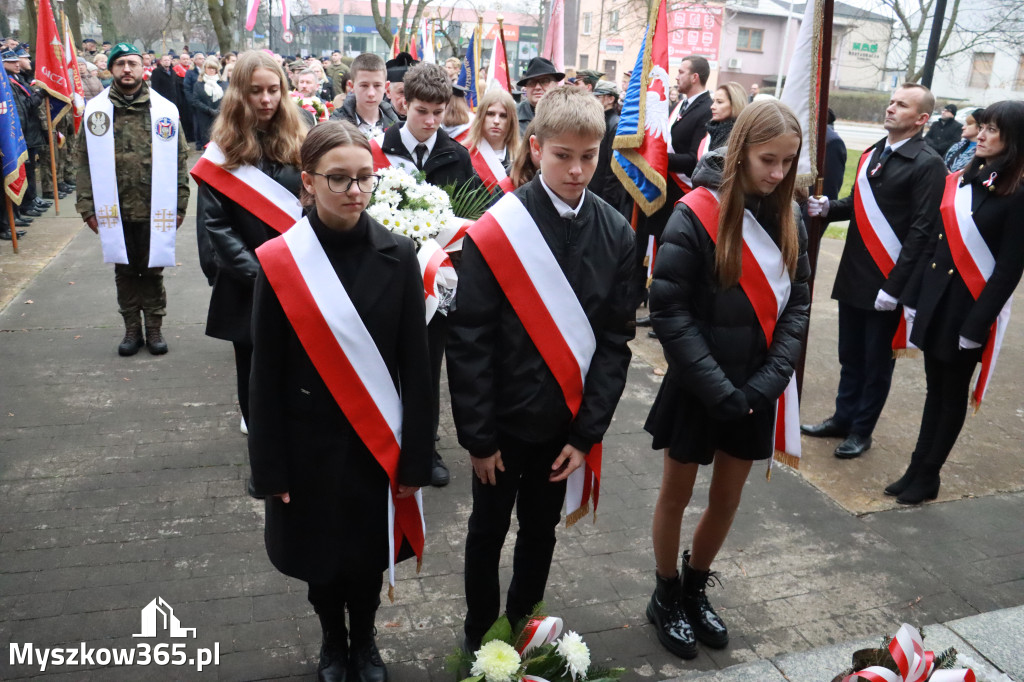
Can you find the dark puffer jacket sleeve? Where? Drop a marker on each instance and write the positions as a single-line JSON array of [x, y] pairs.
[[679, 272], [784, 352]]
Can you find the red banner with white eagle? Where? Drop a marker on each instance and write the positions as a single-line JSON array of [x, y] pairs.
[[51, 72]]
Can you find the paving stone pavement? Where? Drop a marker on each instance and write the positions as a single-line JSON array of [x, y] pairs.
[[122, 480]]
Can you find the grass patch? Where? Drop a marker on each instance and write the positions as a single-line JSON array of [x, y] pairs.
[[850, 174], [836, 231]]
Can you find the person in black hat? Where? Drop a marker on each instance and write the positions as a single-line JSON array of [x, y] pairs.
[[540, 77], [27, 100], [396, 87], [944, 132]]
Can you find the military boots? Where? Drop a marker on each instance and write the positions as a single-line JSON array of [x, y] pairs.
[[132, 341]]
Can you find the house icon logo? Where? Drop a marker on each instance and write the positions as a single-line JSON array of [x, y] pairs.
[[158, 616]]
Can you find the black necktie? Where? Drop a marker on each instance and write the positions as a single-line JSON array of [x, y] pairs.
[[421, 151], [886, 153]]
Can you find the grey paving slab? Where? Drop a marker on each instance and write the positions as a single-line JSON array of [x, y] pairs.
[[761, 671], [998, 636]]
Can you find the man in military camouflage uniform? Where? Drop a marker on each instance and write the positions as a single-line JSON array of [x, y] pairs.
[[139, 288]]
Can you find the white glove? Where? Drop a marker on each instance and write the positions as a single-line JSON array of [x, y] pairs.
[[817, 206], [909, 314], [967, 344], [884, 301]]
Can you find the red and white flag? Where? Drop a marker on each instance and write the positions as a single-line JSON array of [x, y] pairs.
[[51, 72], [554, 38], [497, 70], [74, 75]]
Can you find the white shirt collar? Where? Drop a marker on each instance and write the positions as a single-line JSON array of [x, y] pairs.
[[560, 206], [897, 145], [410, 142]]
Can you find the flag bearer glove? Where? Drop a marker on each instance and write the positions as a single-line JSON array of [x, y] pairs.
[[817, 207], [884, 301]]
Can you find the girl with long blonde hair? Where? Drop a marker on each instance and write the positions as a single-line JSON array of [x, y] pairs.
[[496, 124], [728, 365], [258, 131]]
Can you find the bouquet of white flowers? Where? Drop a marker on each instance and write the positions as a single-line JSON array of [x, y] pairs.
[[410, 207], [536, 652]]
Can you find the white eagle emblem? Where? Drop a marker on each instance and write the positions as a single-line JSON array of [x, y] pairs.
[[656, 119]]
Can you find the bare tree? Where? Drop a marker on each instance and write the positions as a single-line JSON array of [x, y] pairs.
[[405, 28], [224, 17], [1002, 23], [144, 20]]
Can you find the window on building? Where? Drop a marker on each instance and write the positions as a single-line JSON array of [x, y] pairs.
[[750, 40], [588, 19], [609, 70], [584, 62], [613, 20], [981, 69], [1018, 82]]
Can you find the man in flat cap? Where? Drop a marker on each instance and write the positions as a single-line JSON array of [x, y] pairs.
[[133, 190], [588, 78]]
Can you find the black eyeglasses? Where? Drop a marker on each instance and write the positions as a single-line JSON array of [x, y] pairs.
[[340, 184]]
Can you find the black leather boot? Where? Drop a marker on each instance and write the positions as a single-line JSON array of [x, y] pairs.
[[365, 661], [333, 665], [154, 337], [708, 628], [132, 341], [439, 475], [925, 486], [903, 482], [663, 611]]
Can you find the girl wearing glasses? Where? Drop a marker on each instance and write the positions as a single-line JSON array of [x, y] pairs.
[[254, 151], [340, 399]]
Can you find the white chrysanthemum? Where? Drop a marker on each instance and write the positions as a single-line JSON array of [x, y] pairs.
[[576, 654], [496, 661]]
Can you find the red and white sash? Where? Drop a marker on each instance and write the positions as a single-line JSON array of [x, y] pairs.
[[880, 240], [975, 263], [529, 275], [437, 269], [489, 168], [382, 160], [349, 362], [766, 283], [250, 188], [459, 133]]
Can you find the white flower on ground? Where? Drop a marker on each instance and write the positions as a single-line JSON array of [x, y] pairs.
[[496, 661], [576, 654]]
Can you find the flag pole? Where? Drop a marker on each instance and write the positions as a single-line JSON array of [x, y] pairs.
[[504, 52], [818, 224], [10, 222], [53, 157]]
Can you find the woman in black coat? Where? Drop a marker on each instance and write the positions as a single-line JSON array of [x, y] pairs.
[[252, 131], [208, 92], [717, 402], [326, 511], [953, 313]]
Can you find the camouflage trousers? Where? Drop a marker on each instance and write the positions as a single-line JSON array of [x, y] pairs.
[[139, 288]]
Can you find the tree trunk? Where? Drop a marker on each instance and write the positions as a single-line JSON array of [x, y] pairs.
[[107, 25], [29, 17], [75, 22], [383, 24], [223, 14]]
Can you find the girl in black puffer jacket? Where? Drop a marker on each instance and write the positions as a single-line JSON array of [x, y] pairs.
[[727, 367]]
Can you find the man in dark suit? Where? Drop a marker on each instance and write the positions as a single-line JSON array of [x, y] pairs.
[[904, 179], [688, 128]]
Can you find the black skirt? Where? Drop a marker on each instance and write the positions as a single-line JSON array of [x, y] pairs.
[[680, 422]]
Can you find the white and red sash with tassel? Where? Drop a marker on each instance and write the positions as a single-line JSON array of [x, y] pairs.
[[530, 277], [914, 662], [349, 362], [250, 188], [438, 272], [537, 633], [766, 283], [489, 168], [975, 263], [880, 240]]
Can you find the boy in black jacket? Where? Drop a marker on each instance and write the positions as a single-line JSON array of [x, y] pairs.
[[511, 412]]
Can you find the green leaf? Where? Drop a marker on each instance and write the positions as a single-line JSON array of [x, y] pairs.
[[468, 201], [501, 630]]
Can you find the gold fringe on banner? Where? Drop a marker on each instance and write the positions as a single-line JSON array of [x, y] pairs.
[[789, 460], [906, 353], [578, 515]]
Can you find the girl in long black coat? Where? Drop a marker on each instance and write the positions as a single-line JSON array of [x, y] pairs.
[[326, 516], [717, 402], [950, 326], [253, 130]]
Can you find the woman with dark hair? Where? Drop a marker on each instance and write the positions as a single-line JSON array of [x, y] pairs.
[[732, 340], [248, 188], [961, 304], [341, 437]]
